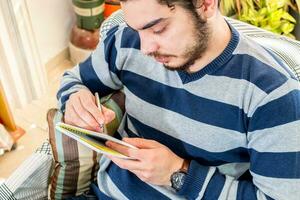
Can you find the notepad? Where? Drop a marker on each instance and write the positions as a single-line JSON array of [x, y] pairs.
[[92, 139]]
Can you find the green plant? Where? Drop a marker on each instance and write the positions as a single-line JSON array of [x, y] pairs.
[[272, 15]]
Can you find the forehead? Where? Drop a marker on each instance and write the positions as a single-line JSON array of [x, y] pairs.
[[138, 13]]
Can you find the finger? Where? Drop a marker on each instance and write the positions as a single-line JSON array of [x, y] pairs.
[[90, 105], [127, 164], [108, 114], [72, 118], [142, 143], [118, 147], [138, 154], [68, 113], [83, 114]]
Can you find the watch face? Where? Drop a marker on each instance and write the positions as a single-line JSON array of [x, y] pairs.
[[177, 180]]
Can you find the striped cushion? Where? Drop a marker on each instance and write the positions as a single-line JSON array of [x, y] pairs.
[[6, 193], [31, 179], [76, 165]]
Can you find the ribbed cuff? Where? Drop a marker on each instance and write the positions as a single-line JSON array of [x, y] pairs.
[[194, 180]]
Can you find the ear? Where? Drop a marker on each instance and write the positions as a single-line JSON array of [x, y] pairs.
[[206, 8]]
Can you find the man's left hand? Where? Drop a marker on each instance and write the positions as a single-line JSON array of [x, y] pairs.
[[153, 162]]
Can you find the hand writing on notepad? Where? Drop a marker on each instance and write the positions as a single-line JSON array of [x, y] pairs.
[[82, 111]]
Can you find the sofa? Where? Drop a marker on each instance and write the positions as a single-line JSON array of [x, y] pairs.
[[32, 178]]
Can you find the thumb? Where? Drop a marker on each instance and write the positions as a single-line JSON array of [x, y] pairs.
[[142, 143], [109, 114]]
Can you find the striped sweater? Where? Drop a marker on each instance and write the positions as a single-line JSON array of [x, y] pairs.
[[237, 119]]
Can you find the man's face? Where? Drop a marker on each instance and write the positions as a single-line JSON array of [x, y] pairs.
[[174, 37]]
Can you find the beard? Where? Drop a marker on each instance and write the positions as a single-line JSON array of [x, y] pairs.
[[195, 50]]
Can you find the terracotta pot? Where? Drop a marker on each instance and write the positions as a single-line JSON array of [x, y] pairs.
[[84, 39]]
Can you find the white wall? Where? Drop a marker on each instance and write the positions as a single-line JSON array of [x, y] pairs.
[[23, 74], [52, 21]]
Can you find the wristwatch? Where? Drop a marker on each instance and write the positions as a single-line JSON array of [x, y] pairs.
[[178, 177]]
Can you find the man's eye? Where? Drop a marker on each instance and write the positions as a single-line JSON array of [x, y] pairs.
[[158, 31]]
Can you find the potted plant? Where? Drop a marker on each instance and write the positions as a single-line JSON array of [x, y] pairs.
[[295, 10], [85, 33], [272, 15], [89, 13]]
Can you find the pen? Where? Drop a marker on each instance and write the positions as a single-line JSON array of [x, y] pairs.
[[103, 126]]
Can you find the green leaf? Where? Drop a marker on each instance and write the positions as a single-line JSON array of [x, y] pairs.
[[290, 36], [275, 4], [287, 27], [271, 15], [263, 11], [289, 17]]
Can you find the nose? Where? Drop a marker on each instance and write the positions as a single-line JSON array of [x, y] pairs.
[[148, 44]]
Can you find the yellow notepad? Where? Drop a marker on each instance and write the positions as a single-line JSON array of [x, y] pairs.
[[91, 139]]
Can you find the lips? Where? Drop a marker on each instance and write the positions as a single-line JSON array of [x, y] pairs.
[[162, 59]]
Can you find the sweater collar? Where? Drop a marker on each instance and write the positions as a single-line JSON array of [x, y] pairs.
[[216, 63]]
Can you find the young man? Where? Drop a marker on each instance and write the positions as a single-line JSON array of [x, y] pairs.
[[205, 106]]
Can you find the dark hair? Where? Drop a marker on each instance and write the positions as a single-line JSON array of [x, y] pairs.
[[188, 4]]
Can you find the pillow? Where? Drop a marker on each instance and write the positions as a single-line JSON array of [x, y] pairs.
[[76, 165], [31, 179]]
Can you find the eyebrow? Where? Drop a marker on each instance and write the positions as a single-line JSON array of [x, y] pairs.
[[152, 23]]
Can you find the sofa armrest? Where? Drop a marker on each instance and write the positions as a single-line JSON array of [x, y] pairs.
[[31, 179], [285, 48]]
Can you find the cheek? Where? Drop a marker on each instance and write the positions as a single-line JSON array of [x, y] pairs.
[[171, 43], [177, 40]]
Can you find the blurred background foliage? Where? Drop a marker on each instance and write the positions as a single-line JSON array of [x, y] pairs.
[[272, 15]]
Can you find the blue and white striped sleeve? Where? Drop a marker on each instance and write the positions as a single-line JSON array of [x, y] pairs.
[[274, 149], [98, 73]]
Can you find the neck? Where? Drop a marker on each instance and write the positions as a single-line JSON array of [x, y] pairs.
[[216, 44]]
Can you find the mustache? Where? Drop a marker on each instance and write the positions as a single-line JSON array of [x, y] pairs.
[[158, 54]]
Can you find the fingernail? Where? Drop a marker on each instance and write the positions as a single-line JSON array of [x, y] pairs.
[[98, 129]]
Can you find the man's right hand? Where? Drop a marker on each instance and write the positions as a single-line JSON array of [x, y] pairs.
[[82, 111]]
